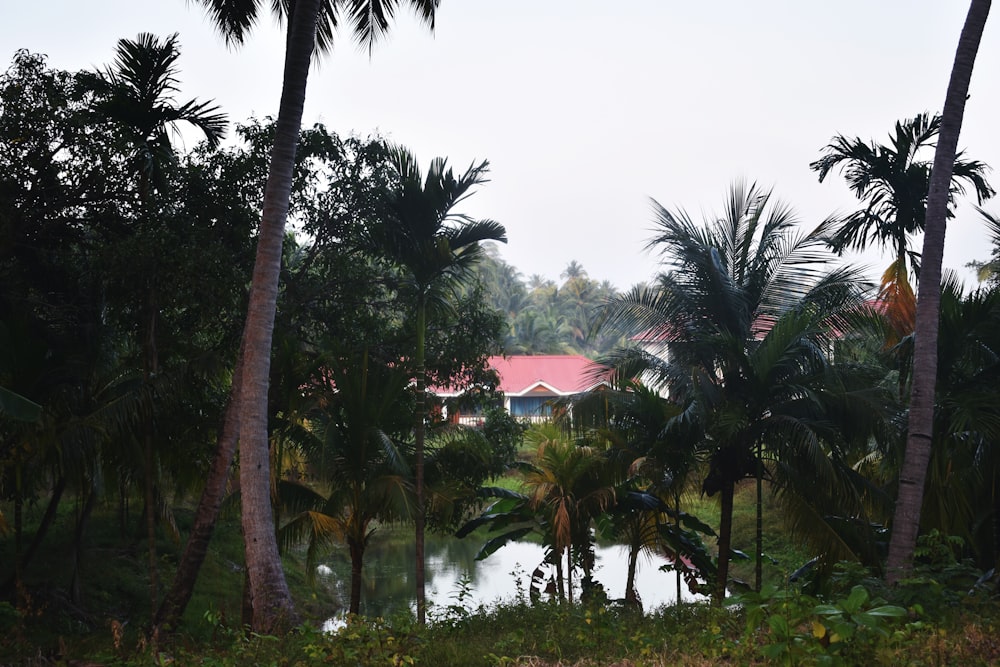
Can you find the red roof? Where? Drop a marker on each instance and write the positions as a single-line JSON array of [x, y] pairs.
[[547, 374], [560, 374]]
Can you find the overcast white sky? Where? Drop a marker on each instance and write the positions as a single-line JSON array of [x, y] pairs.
[[587, 108]]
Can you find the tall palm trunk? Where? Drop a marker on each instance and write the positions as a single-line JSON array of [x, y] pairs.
[[207, 513], [725, 539], [273, 610], [418, 436], [906, 522], [150, 369]]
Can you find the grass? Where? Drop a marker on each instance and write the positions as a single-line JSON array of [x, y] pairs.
[[553, 635]]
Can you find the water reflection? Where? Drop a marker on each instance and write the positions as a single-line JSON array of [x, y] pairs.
[[389, 577]]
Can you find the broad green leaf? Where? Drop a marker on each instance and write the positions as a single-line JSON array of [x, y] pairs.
[[501, 540], [857, 598], [827, 610], [889, 610], [779, 625]]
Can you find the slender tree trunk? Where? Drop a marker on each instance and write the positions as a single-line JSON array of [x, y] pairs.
[[995, 503], [357, 562], [569, 573], [759, 565], [725, 538], [677, 565], [207, 513], [418, 431], [18, 533], [149, 496], [906, 522], [631, 595], [151, 368], [273, 609], [123, 506]]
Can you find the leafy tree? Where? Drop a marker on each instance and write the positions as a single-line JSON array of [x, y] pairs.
[[460, 459], [544, 318], [70, 221], [58, 194], [137, 94], [570, 485], [906, 522]]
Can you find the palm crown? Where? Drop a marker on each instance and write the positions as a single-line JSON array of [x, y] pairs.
[[893, 181], [139, 92], [369, 20]]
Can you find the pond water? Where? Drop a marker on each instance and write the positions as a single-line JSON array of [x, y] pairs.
[[503, 576]]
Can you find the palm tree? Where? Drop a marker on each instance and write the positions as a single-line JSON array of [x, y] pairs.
[[746, 313], [437, 249], [906, 522], [535, 332], [364, 410], [893, 182], [567, 486], [138, 96], [569, 482], [656, 466], [311, 23], [573, 270]]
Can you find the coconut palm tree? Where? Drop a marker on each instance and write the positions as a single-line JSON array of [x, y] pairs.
[[437, 249], [893, 182], [906, 522], [746, 309], [311, 23]]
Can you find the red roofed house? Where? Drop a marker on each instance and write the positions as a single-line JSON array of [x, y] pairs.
[[530, 382]]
